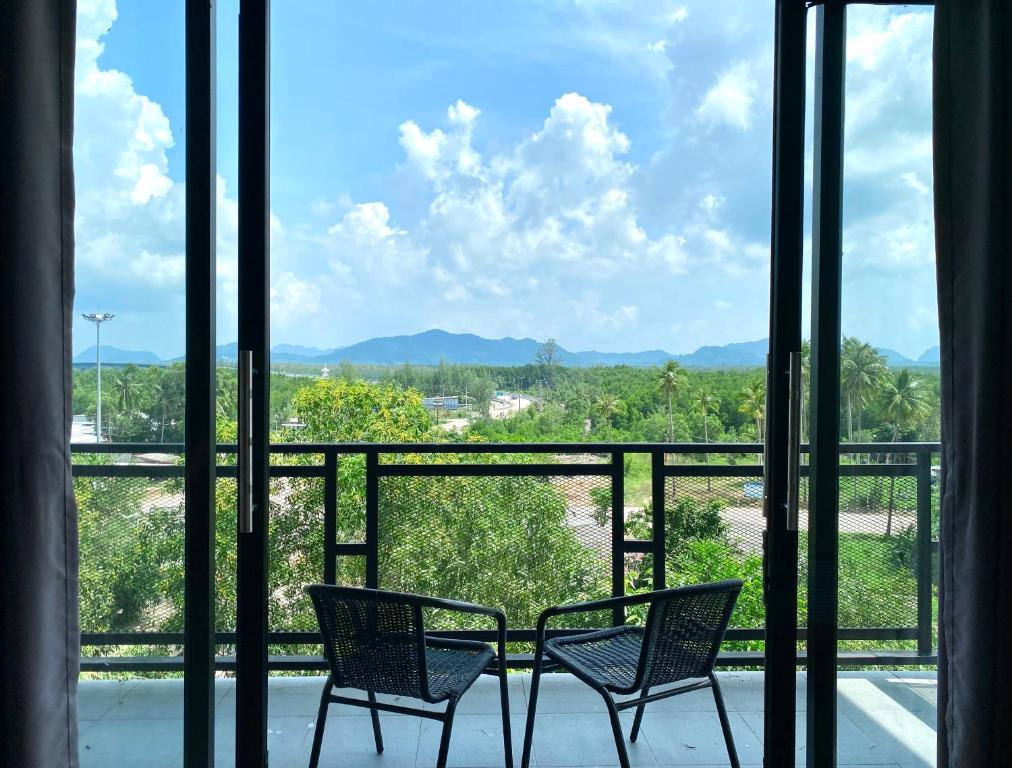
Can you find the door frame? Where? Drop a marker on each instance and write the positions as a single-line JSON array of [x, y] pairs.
[[200, 448], [254, 337], [780, 545]]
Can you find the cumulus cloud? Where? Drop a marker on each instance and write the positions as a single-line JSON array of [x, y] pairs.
[[731, 99], [130, 214]]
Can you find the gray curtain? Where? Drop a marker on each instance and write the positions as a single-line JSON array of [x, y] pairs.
[[39, 635], [973, 212]]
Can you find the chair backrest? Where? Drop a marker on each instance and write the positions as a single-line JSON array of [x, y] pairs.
[[373, 640], [684, 630]]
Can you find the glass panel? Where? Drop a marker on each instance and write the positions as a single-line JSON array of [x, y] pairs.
[[889, 378], [129, 344], [540, 222]]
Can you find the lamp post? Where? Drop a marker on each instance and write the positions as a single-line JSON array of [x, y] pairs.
[[98, 318]]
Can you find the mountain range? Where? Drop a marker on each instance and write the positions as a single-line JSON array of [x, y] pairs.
[[431, 347]]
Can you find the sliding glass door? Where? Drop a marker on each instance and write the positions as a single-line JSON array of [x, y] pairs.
[[388, 242]]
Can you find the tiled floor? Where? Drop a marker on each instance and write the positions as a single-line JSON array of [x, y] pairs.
[[885, 719]]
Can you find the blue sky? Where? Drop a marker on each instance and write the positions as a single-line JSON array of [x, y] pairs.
[[593, 170]]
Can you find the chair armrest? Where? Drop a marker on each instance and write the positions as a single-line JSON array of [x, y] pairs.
[[482, 610], [591, 606]]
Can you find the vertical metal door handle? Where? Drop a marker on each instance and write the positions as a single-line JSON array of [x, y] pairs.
[[245, 457], [794, 443]]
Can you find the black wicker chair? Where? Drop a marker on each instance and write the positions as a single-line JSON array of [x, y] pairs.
[[375, 641], [683, 632]]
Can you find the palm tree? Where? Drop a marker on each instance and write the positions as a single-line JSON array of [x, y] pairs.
[[706, 403], [606, 407], [165, 390], [127, 388], [226, 395], [863, 372], [905, 405], [753, 405], [672, 378]]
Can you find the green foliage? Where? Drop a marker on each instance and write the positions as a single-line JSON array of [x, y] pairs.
[[499, 541], [356, 411], [705, 560]]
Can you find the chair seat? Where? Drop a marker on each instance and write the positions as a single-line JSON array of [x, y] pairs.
[[608, 657], [452, 665]]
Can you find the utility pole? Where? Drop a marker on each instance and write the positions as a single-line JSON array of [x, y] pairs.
[[98, 318]]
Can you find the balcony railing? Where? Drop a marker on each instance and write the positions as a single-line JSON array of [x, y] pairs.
[[521, 526]]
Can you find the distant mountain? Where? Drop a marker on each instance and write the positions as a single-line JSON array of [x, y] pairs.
[[117, 356], [739, 354], [297, 350], [893, 358], [429, 347], [930, 358]]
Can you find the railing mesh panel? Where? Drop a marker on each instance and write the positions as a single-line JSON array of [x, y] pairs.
[[131, 553], [518, 543], [521, 543]]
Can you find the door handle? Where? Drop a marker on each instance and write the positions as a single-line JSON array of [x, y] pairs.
[[245, 456], [794, 442]]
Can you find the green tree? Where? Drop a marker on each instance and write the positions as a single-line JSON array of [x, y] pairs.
[[357, 411], [671, 379], [863, 372], [706, 403], [753, 405], [905, 405], [127, 388], [607, 407], [165, 389]]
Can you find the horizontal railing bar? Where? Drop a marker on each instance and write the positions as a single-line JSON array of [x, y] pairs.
[[152, 471], [156, 471], [351, 548], [293, 663], [312, 637], [493, 470], [321, 448], [637, 545], [712, 470]]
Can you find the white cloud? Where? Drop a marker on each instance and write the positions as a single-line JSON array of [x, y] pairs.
[[730, 100], [712, 202], [294, 301]]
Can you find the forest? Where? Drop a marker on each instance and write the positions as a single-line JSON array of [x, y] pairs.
[[607, 404]]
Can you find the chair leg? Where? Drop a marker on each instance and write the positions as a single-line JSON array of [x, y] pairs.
[[376, 732], [532, 706], [616, 727], [504, 703], [444, 741], [639, 715], [725, 724], [321, 722]]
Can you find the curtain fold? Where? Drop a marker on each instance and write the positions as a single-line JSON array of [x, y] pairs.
[[973, 221], [39, 635]]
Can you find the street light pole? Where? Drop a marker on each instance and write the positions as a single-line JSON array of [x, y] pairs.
[[98, 318]]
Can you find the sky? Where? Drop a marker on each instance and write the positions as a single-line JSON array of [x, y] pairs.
[[597, 171]]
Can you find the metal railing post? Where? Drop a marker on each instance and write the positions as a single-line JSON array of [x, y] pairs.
[[330, 517], [657, 523], [372, 520], [618, 533], [924, 557]]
